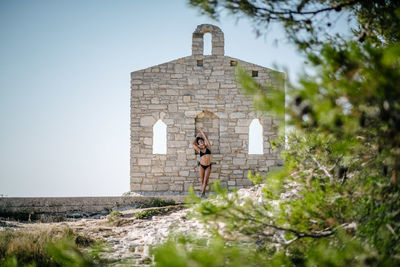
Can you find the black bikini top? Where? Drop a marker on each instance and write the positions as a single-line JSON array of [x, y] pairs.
[[207, 152]]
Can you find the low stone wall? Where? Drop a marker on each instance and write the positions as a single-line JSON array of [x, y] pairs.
[[26, 208]]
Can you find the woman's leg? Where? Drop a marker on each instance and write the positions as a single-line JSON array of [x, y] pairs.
[[206, 176], [201, 172]]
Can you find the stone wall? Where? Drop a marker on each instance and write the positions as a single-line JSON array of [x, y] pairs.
[[24, 207], [196, 90]]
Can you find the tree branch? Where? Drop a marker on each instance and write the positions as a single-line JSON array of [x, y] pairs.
[[322, 168], [298, 234]]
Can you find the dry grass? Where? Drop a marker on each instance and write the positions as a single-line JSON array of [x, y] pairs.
[[45, 246]]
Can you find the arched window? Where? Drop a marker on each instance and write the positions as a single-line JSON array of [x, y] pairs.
[[255, 137], [160, 138], [207, 39]]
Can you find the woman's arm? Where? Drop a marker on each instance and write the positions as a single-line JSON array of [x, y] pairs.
[[195, 146], [205, 138]]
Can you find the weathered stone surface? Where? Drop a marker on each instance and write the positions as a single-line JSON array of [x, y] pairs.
[[142, 162], [146, 121], [197, 90]]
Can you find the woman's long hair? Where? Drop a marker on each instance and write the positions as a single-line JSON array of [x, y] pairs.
[[199, 138]]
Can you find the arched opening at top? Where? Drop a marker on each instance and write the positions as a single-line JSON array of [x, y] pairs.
[[160, 138], [207, 41], [256, 137]]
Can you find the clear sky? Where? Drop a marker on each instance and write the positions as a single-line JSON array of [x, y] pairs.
[[65, 85]]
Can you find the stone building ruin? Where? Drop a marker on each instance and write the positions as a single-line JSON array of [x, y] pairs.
[[169, 100]]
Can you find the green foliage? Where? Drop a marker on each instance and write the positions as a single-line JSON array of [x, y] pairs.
[[183, 251], [115, 218], [149, 213], [115, 213], [269, 98], [157, 202], [336, 201], [312, 23], [66, 253], [215, 251]]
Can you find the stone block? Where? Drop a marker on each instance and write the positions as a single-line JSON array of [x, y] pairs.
[[243, 122], [178, 144], [193, 81], [155, 169], [135, 187], [228, 85], [144, 86], [144, 162], [148, 141], [184, 173], [176, 76], [243, 182], [179, 68], [146, 187], [157, 106], [176, 187], [218, 73], [243, 130], [190, 113], [136, 180], [252, 162], [172, 92], [212, 85], [244, 137], [137, 93], [172, 107], [137, 81], [202, 92], [147, 121], [237, 115], [231, 182], [238, 161], [187, 99], [179, 137], [146, 170], [164, 179], [214, 175], [162, 187]]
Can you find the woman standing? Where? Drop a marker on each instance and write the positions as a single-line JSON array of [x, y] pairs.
[[203, 146]]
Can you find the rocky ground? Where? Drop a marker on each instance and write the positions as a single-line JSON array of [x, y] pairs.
[[128, 236]]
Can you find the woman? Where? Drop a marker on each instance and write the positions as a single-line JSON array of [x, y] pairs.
[[203, 146]]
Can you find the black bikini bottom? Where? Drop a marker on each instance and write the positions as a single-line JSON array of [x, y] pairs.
[[205, 167]]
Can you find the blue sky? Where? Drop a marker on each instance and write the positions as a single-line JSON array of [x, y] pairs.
[[65, 85]]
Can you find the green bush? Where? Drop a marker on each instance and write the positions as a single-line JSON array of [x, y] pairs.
[[342, 154], [157, 202], [147, 214]]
